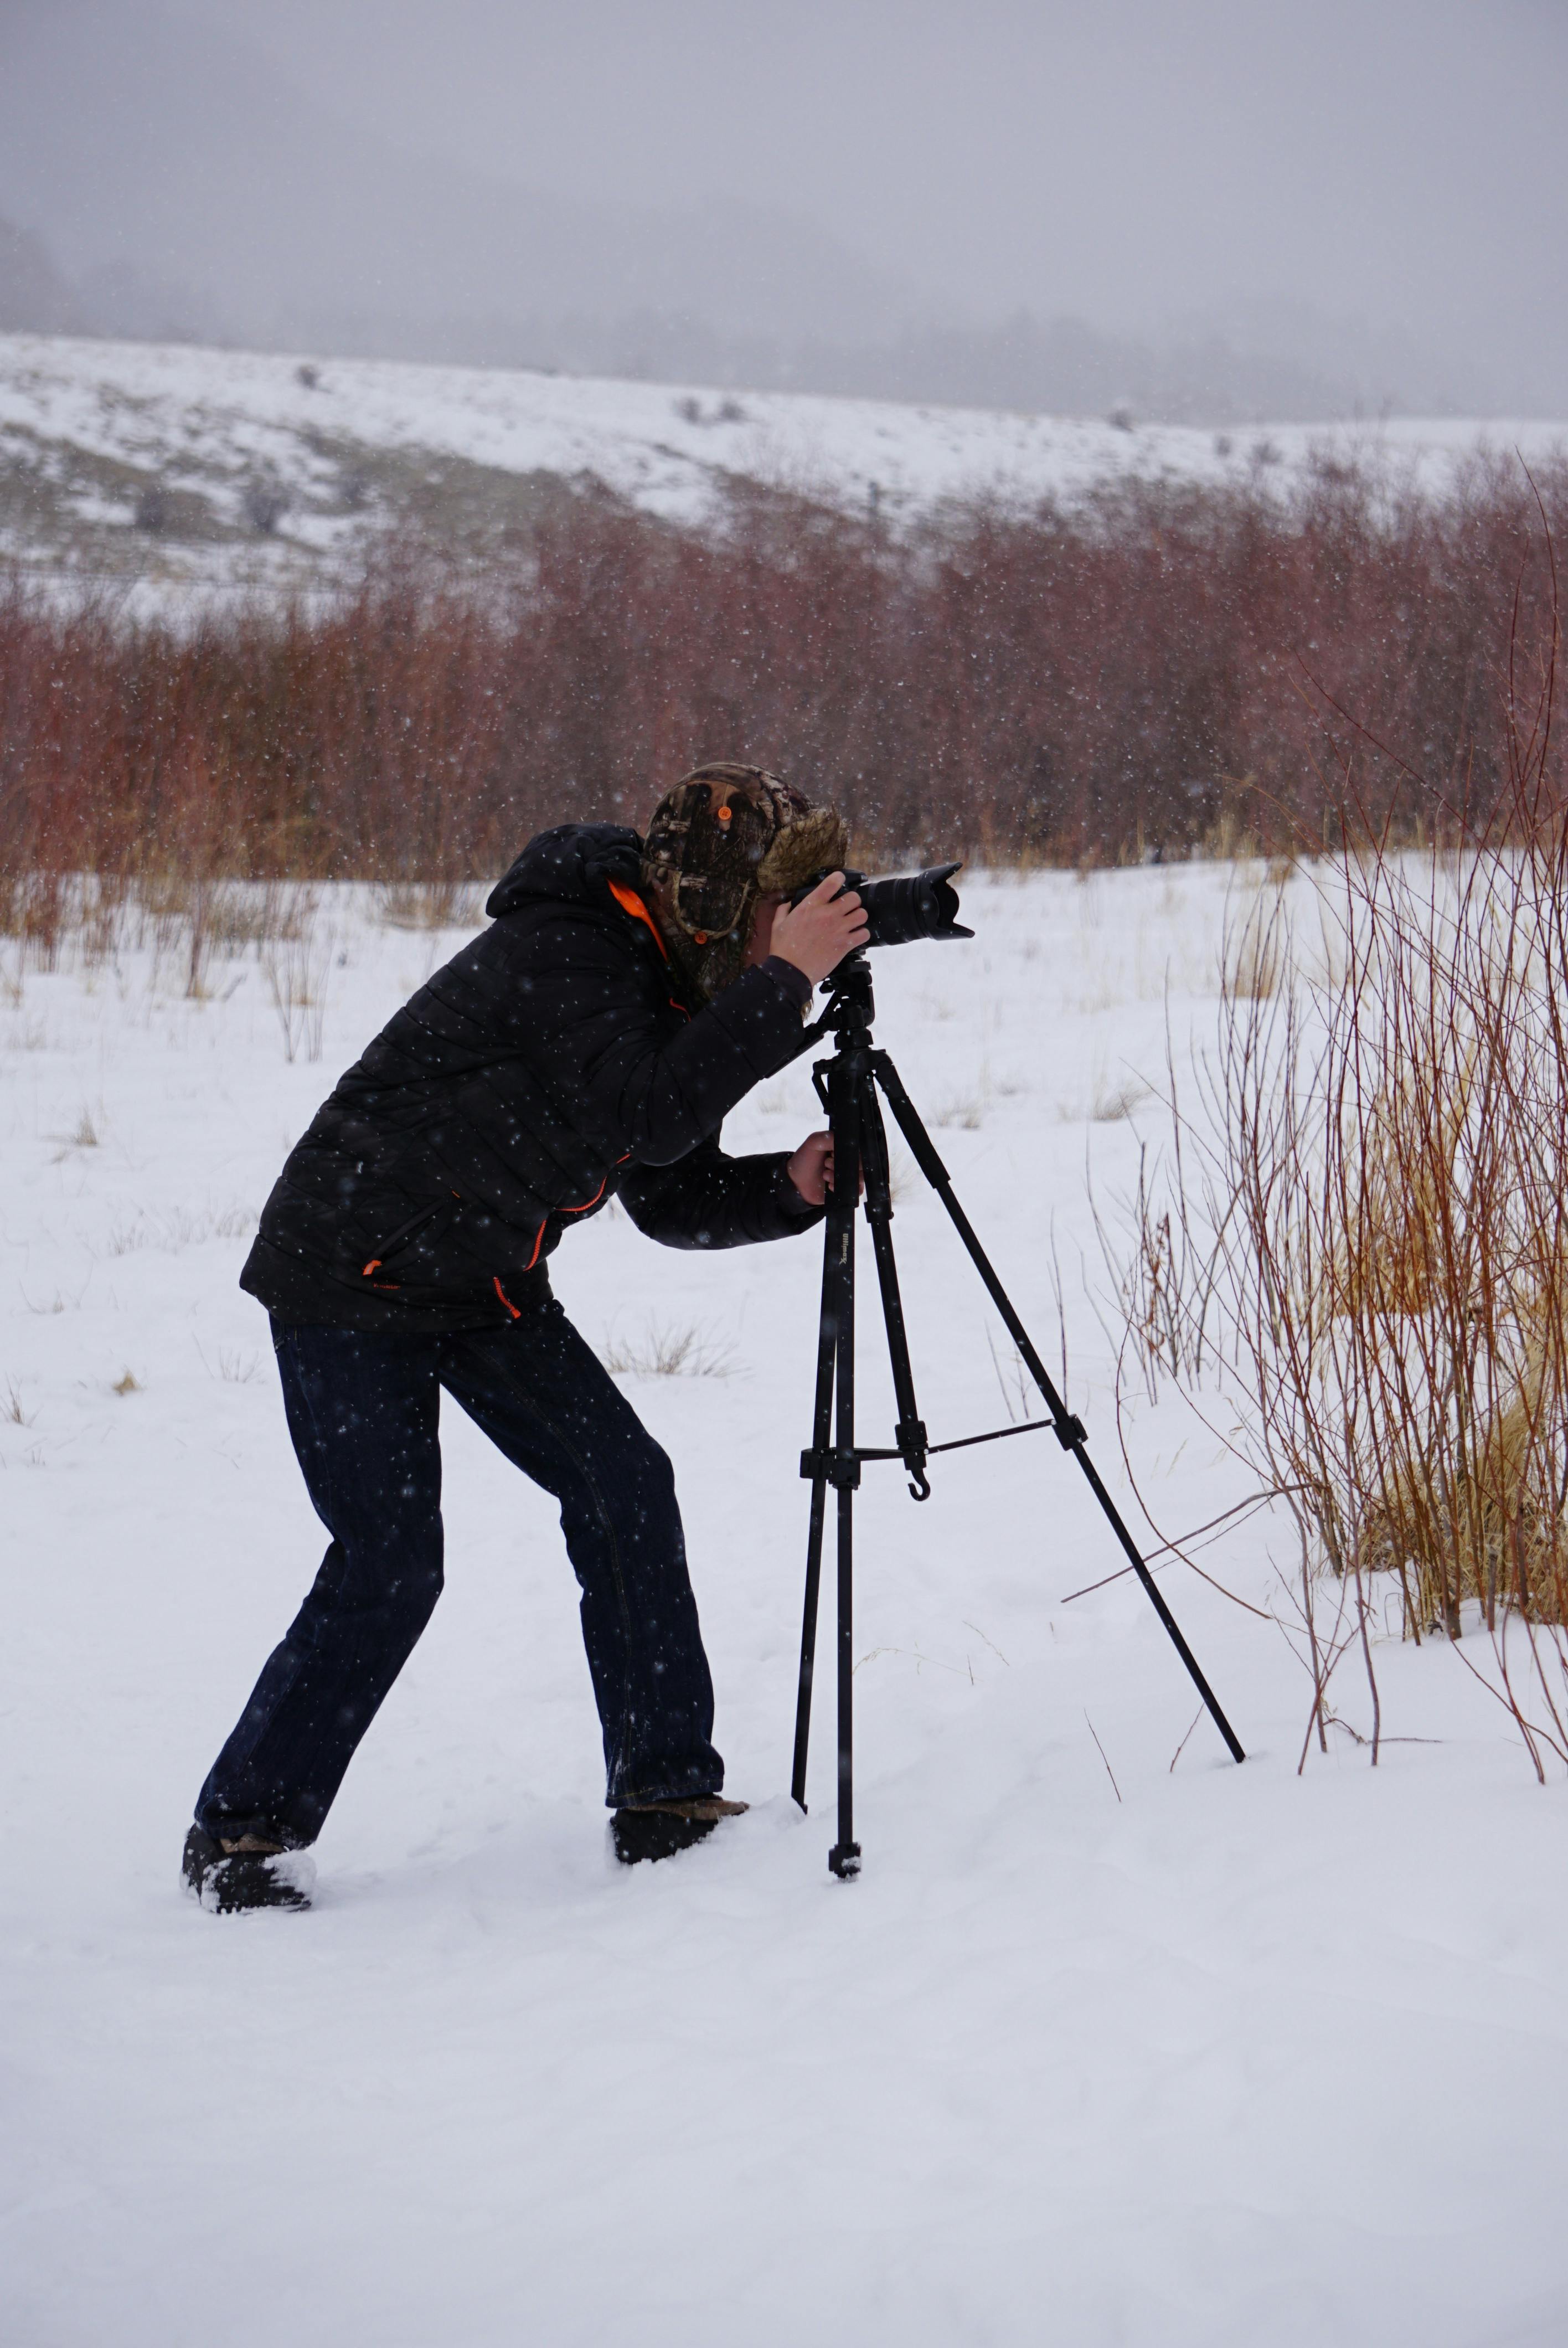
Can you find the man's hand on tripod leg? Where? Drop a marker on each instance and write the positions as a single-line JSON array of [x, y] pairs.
[[810, 1170]]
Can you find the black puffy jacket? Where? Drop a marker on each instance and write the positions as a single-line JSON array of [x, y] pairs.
[[551, 1065]]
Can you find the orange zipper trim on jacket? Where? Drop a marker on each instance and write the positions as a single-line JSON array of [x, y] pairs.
[[586, 1202], [598, 1194], [496, 1277], [631, 903]]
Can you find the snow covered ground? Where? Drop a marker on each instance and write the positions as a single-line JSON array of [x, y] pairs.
[[253, 471], [1106, 2047]]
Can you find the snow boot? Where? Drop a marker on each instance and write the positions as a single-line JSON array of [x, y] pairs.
[[229, 1877], [660, 1830]]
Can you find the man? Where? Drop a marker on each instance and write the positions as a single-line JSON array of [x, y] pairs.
[[587, 1045]]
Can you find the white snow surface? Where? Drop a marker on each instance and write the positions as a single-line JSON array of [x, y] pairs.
[[218, 418], [1203, 2057]]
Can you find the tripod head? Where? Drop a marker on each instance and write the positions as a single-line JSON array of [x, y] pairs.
[[845, 1016], [850, 1000], [848, 1010]]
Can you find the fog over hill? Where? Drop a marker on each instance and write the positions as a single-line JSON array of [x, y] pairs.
[[170, 174], [170, 169]]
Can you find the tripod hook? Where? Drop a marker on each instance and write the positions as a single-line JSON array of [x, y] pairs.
[[913, 1442]]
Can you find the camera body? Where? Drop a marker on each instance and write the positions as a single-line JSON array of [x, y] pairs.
[[897, 911]]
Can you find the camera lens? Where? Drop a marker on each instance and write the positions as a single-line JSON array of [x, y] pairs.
[[916, 905]]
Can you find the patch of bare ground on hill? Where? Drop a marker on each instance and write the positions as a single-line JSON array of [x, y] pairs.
[[73, 514]]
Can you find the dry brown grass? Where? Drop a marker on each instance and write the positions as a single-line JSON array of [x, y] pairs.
[[1252, 956], [1380, 1166], [429, 905], [669, 1350]]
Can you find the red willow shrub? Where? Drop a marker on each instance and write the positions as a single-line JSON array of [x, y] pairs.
[[1151, 673]]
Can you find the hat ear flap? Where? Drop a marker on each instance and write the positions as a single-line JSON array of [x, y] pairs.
[[817, 842], [727, 835]]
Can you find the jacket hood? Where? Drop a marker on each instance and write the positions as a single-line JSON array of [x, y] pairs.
[[575, 860]]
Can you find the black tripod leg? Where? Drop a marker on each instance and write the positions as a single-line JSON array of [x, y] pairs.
[[1068, 1430], [910, 1435], [843, 1858], [821, 1435]]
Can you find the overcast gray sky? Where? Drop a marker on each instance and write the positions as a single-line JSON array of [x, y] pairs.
[[1125, 158], [1375, 189]]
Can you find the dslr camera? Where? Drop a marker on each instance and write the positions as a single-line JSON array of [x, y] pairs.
[[915, 905]]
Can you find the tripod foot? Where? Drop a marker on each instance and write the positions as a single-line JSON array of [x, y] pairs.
[[845, 1861]]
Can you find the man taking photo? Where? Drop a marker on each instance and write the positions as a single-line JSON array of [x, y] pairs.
[[587, 1045]]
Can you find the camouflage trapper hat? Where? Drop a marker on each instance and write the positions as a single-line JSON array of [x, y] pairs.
[[717, 842]]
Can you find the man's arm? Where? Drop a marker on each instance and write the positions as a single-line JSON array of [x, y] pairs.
[[578, 1005], [711, 1200]]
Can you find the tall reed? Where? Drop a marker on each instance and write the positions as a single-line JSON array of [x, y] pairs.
[[1381, 1209]]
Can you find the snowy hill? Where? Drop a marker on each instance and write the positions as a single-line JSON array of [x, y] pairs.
[[174, 472]]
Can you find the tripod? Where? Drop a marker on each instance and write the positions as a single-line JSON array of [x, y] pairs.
[[847, 1086]]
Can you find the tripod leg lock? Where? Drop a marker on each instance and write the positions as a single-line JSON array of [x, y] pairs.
[[839, 1468], [1069, 1431]]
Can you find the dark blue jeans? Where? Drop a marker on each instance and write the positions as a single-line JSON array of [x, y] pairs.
[[364, 1412]]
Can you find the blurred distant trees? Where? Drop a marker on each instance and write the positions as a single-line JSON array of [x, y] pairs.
[[1171, 670]]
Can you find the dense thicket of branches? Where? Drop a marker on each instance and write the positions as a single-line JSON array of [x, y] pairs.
[[1154, 671]]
